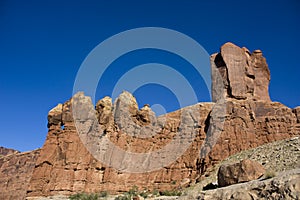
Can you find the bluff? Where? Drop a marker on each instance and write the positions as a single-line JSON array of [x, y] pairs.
[[241, 116]]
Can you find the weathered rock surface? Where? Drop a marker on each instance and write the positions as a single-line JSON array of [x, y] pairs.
[[5, 151], [242, 117], [297, 113], [239, 74], [65, 166], [244, 171], [249, 124], [15, 173], [283, 186], [276, 157]]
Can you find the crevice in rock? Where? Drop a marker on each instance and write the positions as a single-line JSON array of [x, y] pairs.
[[43, 163], [251, 76], [222, 67], [207, 123]]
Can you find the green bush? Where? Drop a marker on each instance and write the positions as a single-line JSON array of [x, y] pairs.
[[84, 196], [103, 194], [144, 194], [133, 191], [123, 197], [155, 192], [270, 174], [170, 193]]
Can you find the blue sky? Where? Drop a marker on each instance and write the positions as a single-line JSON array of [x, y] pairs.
[[43, 43]]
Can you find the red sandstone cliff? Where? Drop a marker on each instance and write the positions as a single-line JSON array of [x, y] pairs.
[[241, 117]]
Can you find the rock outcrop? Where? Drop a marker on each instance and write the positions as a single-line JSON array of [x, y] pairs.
[[239, 74], [284, 186], [243, 117], [15, 173], [180, 146], [244, 171], [297, 113], [65, 166], [5, 151]]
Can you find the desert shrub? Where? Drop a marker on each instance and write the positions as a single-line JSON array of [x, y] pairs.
[[103, 194], [84, 196], [123, 197], [269, 174], [128, 195], [170, 193], [144, 194], [133, 191], [155, 192]]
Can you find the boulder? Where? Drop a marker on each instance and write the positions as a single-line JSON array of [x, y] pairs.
[[243, 171]]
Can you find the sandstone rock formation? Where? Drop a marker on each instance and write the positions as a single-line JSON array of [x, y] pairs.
[[239, 74], [241, 117], [5, 151], [65, 165], [297, 113], [15, 173], [284, 186], [244, 171]]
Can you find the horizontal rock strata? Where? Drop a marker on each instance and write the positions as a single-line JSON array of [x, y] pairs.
[[241, 117]]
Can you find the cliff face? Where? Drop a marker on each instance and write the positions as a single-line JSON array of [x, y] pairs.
[[239, 74], [15, 172], [241, 117], [66, 166]]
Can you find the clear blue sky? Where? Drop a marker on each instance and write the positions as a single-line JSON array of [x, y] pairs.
[[43, 43]]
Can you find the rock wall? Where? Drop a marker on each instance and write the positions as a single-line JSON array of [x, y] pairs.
[[65, 166], [241, 117], [15, 173]]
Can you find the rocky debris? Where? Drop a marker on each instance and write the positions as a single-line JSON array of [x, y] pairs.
[[56, 197], [243, 171], [284, 186], [5, 151], [276, 157], [239, 74], [110, 197], [15, 173]]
